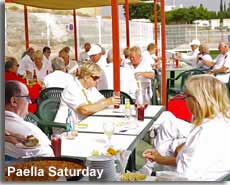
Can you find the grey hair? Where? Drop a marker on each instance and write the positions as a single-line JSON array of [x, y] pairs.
[[58, 63]]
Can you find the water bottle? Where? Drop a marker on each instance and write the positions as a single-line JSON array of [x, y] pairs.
[[72, 132], [127, 109]]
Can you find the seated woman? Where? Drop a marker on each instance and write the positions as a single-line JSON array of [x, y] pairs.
[[11, 73], [198, 151], [202, 57], [81, 96]]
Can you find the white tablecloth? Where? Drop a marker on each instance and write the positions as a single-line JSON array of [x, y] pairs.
[[122, 126]]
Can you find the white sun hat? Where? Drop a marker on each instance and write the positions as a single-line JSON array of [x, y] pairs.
[[194, 42], [95, 49]]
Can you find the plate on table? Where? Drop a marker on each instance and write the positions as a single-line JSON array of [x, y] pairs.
[[20, 145]]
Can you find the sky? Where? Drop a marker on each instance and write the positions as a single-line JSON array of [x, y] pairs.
[[213, 5]]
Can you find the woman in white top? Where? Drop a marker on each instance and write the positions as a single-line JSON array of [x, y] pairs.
[[81, 96], [205, 153], [202, 57]]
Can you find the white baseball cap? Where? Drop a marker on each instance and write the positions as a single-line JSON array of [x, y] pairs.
[[194, 42], [95, 49]]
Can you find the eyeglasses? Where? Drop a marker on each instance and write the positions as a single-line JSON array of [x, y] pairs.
[[95, 78], [26, 97]]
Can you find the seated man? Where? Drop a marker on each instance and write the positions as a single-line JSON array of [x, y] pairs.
[[194, 150], [81, 98], [16, 106], [191, 57], [127, 81], [221, 64], [58, 78]]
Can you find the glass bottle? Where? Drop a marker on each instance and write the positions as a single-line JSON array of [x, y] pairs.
[[35, 75]]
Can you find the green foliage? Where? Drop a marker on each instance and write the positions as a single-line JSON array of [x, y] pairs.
[[177, 16]]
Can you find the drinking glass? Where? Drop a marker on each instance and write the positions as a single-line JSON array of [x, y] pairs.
[[56, 144], [108, 131]]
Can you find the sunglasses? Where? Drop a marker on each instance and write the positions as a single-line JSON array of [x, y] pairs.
[[95, 78]]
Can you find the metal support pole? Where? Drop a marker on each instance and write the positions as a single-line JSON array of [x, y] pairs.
[[26, 27], [163, 43], [155, 23], [127, 23], [116, 45], [75, 34]]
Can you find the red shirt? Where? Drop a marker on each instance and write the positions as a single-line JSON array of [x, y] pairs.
[[34, 91]]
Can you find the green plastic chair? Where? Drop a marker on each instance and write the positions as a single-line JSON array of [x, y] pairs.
[[45, 126], [183, 77], [155, 82], [51, 92], [109, 93], [48, 108]]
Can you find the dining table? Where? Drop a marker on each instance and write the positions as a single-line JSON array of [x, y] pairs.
[[128, 131]]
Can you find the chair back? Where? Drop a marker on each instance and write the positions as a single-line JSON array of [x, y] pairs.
[[54, 92], [48, 108], [186, 74], [182, 77], [156, 86], [109, 93]]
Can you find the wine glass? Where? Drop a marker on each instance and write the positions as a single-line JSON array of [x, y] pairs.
[[108, 131]]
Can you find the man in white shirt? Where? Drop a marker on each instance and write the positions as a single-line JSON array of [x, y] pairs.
[[191, 58], [16, 108], [127, 81], [221, 64], [142, 71], [84, 55], [46, 58], [96, 56], [58, 78], [26, 65]]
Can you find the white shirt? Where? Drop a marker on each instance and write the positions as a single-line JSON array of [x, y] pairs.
[[84, 56], [127, 81], [102, 62], [58, 79], [205, 57], [191, 57], [47, 63], [222, 61], [102, 81], [41, 73], [147, 57], [142, 67], [72, 97], [71, 64], [16, 124], [26, 64], [205, 155]]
